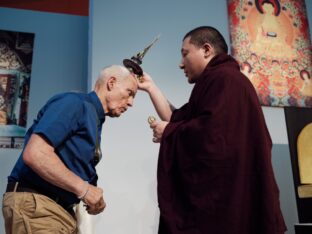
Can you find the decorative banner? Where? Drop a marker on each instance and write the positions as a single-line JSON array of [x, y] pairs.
[[271, 41], [16, 49]]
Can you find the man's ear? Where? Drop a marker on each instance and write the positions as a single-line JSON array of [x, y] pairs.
[[208, 49], [111, 82]]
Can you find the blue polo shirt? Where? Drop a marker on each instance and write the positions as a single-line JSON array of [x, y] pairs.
[[69, 122]]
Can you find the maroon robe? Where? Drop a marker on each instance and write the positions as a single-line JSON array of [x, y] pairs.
[[214, 170]]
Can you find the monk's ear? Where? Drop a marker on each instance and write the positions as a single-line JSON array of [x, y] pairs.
[[111, 82], [208, 49]]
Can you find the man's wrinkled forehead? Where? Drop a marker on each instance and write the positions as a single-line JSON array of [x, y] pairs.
[[133, 74], [134, 81]]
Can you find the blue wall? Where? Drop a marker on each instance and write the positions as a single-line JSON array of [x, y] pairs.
[[59, 63]]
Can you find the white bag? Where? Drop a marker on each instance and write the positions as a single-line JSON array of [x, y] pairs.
[[84, 220]]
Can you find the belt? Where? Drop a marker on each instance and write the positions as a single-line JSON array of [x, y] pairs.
[[22, 187]]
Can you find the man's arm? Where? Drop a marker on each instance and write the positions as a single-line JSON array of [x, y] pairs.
[[40, 156], [162, 106]]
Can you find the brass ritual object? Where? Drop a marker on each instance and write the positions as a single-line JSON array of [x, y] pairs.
[[304, 150], [151, 119], [134, 63]]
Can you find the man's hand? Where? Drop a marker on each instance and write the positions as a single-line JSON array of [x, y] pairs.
[[94, 200]]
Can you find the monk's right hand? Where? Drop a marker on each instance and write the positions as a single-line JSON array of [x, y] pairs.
[[94, 200], [146, 83]]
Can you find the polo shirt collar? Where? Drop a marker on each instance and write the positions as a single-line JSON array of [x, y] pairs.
[[98, 106]]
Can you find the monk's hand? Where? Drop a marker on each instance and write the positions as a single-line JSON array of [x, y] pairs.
[[94, 200], [145, 82], [158, 130]]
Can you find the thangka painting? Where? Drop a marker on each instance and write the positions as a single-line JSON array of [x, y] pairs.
[[16, 49], [271, 41]]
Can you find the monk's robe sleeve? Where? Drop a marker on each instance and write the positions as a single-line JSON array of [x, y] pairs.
[[194, 143]]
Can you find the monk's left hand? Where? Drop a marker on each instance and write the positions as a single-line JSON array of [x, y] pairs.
[[158, 129]]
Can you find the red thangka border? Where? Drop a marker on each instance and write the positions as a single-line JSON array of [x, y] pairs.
[[74, 7]]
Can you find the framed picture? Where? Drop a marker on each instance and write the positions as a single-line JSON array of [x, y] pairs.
[[271, 41], [16, 50]]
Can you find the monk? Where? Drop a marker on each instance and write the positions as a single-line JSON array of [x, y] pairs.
[[214, 169]]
